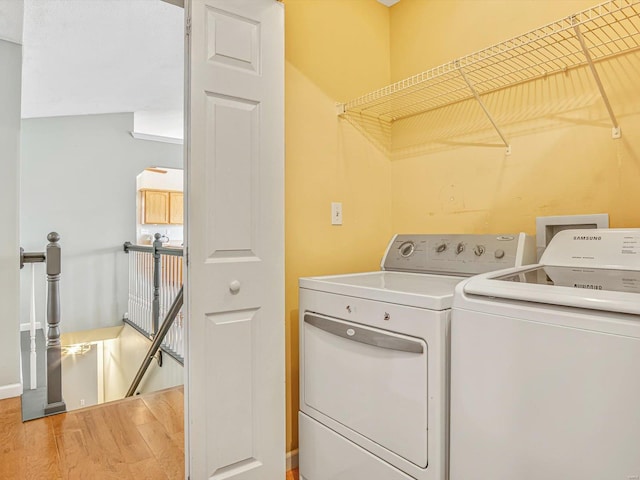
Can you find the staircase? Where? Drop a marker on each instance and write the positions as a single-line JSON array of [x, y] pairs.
[[101, 366]]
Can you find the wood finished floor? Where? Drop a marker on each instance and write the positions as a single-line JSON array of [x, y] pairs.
[[139, 438]]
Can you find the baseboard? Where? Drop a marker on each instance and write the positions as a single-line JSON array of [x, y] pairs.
[[25, 327], [292, 459], [10, 391]]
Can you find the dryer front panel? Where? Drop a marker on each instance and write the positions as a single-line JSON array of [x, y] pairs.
[[372, 381]]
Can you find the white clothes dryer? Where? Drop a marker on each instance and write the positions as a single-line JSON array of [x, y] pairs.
[[545, 365], [374, 358]]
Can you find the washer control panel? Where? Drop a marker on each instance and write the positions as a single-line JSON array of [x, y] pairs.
[[458, 254]]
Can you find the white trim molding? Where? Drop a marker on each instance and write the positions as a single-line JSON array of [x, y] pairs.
[[25, 327], [156, 138], [177, 3], [10, 40], [10, 391], [292, 459]]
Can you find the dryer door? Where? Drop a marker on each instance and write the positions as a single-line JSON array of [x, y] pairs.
[[371, 381]]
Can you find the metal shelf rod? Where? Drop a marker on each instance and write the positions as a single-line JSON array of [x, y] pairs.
[[615, 131], [486, 110]]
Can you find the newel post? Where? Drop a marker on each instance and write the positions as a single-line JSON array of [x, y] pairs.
[[55, 403]]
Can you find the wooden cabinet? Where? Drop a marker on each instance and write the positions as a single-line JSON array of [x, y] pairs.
[[155, 206], [162, 207], [176, 208]]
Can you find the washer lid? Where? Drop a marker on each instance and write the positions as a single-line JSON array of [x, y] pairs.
[[592, 288], [433, 292], [580, 278]]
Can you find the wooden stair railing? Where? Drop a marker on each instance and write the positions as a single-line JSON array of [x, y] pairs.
[[53, 259]]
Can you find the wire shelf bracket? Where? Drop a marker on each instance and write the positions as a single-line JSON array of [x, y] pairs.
[[616, 132], [484, 108]]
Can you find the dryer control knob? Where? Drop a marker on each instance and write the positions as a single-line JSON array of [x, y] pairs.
[[478, 250], [407, 249], [460, 248], [499, 254], [441, 248]]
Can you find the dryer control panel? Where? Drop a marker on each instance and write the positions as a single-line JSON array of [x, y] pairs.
[[460, 254]]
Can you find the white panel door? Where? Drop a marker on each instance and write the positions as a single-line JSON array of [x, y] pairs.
[[235, 237]]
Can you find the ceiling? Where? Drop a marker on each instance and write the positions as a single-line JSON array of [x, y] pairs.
[[86, 57], [101, 56]]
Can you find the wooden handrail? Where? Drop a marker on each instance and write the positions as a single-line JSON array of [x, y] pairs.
[[157, 341]]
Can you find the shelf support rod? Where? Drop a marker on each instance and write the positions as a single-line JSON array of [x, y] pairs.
[[484, 108], [615, 131]]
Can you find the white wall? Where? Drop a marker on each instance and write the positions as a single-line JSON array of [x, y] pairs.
[[80, 378], [11, 20], [165, 125], [172, 180], [78, 177], [105, 371], [10, 78]]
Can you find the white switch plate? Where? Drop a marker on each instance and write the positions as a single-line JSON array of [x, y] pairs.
[[336, 213]]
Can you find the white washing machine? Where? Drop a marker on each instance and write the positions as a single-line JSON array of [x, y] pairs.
[[374, 358], [545, 365]]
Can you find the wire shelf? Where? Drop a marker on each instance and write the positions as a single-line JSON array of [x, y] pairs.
[[610, 28]]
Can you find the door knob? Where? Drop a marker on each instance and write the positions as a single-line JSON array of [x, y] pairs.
[[234, 287]]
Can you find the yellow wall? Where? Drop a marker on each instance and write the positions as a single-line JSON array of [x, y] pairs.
[[335, 49], [564, 160], [428, 33]]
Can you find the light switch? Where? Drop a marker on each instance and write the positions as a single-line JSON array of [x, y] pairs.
[[336, 213]]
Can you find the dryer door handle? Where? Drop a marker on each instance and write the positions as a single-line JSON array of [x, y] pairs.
[[364, 335]]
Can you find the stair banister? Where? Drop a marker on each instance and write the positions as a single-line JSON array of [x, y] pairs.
[[55, 403], [157, 341]]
